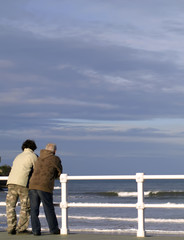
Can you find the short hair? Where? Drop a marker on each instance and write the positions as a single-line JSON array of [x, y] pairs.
[[51, 147], [29, 144]]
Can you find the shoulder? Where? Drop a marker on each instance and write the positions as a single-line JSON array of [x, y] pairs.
[[57, 160], [30, 156]]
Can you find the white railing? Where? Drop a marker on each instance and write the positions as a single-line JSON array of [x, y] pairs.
[[140, 205]]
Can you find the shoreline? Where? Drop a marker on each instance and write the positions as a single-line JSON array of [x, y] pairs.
[[84, 236]]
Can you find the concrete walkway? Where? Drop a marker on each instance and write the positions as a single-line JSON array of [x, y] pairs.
[[76, 236]]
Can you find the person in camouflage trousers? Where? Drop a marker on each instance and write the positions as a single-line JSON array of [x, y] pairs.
[[18, 181], [15, 192]]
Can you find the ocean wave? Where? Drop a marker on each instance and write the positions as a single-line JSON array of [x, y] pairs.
[[130, 230], [104, 218], [151, 194], [99, 218], [153, 220], [127, 194], [166, 194], [118, 194]]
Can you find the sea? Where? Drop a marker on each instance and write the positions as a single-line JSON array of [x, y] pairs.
[[161, 221]]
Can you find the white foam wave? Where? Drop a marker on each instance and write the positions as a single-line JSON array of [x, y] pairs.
[[127, 194], [149, 220], [146, 194], [159, 220], [154, 220], [103, 218], [104, 230], [132, 194]]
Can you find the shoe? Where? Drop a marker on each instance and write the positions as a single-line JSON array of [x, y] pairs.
[[37, 233], [57, 231], [13, 232], [24, 232]]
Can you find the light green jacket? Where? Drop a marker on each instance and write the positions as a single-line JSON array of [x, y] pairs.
[[22, 165]]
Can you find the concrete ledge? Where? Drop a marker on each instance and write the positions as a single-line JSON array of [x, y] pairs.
[[84, 236]]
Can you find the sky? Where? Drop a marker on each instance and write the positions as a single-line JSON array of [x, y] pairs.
[[103, 79]]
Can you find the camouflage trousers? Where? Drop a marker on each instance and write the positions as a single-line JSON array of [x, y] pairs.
[[16, 192]]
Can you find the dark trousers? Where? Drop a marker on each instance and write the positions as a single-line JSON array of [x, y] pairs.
[[36, 197]]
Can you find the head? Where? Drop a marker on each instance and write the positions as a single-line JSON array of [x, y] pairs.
[[51, 147], [29, 144]]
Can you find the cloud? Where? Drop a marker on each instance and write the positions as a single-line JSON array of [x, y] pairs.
[[6, 64], [174, 89], [14, 96], [130, 131], [126, 27], [73, 102]]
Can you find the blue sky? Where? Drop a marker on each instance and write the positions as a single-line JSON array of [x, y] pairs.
[[102, 79]]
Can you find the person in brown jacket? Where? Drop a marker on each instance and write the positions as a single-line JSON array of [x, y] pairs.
[[48, 167]]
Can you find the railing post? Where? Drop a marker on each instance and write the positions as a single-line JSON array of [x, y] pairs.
[[64, 204], [140, 204]]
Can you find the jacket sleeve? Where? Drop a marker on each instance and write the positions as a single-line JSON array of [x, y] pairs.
[[59, 167]]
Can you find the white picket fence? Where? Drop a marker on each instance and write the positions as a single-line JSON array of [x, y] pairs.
[[140, 205]]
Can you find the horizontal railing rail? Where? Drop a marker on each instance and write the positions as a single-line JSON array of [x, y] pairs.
[[140, 205], [3, 178]]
